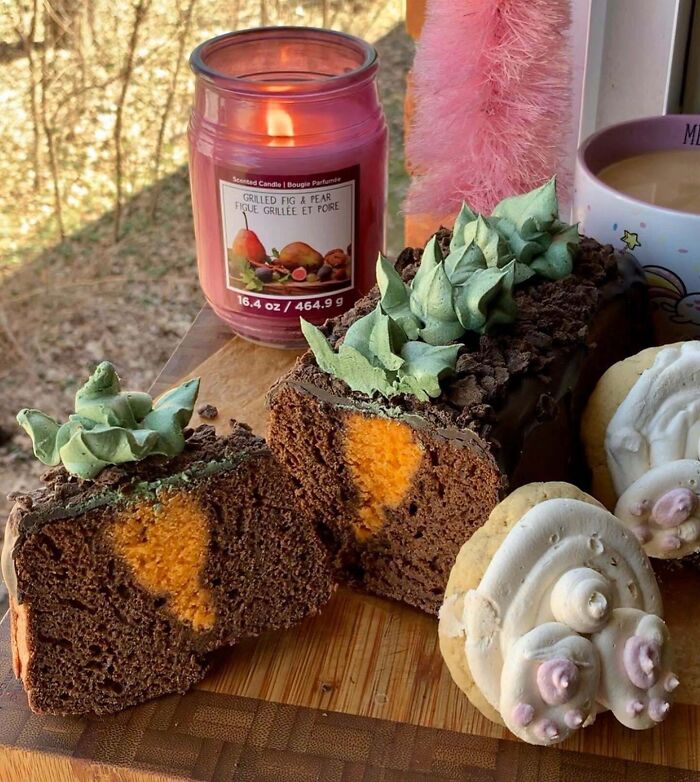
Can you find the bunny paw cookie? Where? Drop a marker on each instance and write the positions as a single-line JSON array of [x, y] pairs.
[[641, 431], [552, 614]]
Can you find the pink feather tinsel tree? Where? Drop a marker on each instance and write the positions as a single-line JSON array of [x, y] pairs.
[[492, 82]]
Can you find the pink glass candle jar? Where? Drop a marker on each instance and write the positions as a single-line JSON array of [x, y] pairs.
[[288, 166]]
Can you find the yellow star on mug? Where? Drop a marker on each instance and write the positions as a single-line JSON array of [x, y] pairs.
[[630, 239]]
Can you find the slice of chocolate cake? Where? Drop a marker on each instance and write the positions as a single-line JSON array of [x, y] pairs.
[[122, 585], [457, 380]]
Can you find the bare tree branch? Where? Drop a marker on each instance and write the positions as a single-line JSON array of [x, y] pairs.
[[140, 11], [28, 42], [184, 25], [60, 22], [13, 50], [50, 140], [102, 85]]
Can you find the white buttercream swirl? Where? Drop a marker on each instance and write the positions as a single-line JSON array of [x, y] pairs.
[[659, 419], [551, 540], [565, 570], [582, 599], [662, 509]]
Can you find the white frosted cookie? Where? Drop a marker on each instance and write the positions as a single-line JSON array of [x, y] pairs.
[[469, 567], [641, 431], [527, 606], [608, 395]]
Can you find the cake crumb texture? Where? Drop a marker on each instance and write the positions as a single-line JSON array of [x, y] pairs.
[[409, 556], [509, 415], [165, 545], [383, 457], [127, 585]]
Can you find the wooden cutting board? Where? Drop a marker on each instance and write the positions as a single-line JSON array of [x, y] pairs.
[[298, 702]]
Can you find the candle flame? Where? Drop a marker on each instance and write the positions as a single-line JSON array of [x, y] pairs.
[[279, 126]]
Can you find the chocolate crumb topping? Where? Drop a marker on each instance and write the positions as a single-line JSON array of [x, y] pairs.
[[208, 412], [201, 446], [554, 318]]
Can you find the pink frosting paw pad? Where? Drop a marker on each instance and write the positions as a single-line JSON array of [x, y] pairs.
[[662, 509], [549, 683], [637, 681]]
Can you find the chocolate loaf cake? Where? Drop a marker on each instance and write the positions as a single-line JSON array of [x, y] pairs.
[[398, 483], [122, 586]]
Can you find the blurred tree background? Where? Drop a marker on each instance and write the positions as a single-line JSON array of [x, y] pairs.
[[96, 246], [96, 95]]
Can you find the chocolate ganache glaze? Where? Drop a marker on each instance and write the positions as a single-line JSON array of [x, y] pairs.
[[518, 392]]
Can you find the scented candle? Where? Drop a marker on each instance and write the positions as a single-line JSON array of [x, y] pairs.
[[288, 167]]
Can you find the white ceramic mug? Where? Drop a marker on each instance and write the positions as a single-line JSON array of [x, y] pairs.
[[666, 242]]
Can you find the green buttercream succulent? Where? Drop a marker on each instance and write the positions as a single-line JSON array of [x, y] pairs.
[[111, 426], [404, 345], [376, 355]]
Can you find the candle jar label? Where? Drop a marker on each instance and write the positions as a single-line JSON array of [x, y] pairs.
[[289, 240]]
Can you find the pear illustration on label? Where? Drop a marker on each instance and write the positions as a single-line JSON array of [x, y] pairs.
[[300, 254], [247, 246]]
